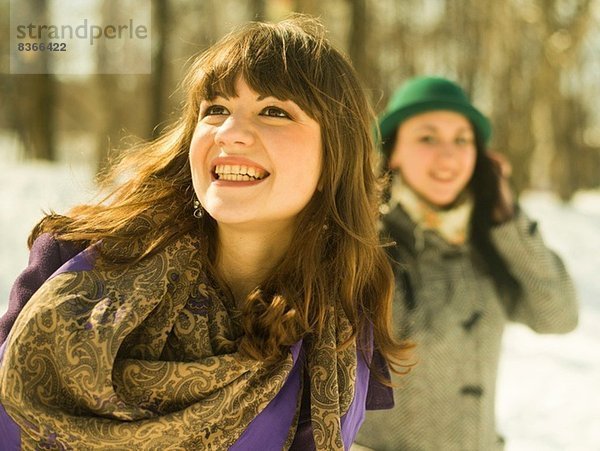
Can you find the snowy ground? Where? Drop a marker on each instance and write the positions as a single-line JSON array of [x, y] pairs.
[[549, 388]]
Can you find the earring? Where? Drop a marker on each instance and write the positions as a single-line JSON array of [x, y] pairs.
[[198, 210]]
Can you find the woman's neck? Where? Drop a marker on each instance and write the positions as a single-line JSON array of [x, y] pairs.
[[246, 257], [452, 222]]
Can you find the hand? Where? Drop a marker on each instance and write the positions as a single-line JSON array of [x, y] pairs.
[[505, 209]]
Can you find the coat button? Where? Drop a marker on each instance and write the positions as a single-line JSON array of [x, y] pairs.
[[471, 321], [472, 390], [532, 228]]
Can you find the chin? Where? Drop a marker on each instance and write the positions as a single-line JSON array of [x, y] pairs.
[[442, 201]]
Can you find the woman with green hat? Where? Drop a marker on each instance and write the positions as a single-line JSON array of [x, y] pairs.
[[469, 261]]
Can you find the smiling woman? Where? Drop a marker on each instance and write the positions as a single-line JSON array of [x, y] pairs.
[[232, 293], [471, 261]]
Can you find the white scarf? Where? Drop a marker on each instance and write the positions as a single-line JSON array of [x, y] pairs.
[[451, 223]]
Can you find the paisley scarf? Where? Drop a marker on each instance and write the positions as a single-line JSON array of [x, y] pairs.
[[145, 356]]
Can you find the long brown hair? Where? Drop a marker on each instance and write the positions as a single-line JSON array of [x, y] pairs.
[[335, 252]]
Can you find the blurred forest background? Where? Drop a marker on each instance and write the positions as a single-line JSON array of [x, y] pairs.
[[532, 65]]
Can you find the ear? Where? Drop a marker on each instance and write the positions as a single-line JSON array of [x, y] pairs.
[[394, 162], [395, 158]]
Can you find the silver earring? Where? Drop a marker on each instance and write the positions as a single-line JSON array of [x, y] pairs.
[[198, 210]]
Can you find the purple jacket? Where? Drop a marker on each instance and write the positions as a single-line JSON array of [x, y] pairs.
[[48, 254]]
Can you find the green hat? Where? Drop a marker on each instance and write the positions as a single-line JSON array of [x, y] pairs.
[[422, 94]]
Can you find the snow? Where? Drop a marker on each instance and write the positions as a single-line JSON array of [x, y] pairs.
[[26, 191], [549, 386]]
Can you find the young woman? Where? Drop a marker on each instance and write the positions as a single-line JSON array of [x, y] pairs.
[[232, 293], [469, 261]]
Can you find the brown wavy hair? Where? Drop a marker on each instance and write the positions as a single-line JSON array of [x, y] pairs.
[[335, 252]]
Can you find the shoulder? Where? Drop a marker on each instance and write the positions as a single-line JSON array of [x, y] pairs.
[[47, 250], [47, 254]]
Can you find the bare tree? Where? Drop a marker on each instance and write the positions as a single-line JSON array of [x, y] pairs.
[[562, 34], [312, 7], [258, 9], [161, 35], [358, 46], [33, 99]]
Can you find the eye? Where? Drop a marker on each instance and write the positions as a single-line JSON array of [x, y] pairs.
[[464, 140], [215, 110], [427, 139], [272, 111]]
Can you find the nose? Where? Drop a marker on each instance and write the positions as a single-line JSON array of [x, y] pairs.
[[235, 131], [448, 149]]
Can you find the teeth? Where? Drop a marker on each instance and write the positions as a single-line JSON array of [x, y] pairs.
[[238, 173], [236, 177]]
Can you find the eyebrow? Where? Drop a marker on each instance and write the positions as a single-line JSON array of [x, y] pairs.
[[259, 97], [263, 97]]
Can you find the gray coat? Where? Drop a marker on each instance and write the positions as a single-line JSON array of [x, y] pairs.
[[450, 306]]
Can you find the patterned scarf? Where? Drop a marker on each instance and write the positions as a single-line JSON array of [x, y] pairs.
[[145, 357], [452, 224]]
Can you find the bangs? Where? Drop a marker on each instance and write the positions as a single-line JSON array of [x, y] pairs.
[[273, 61]]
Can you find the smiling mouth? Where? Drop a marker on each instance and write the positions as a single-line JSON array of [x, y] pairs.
[[444, 177], [238, 173]]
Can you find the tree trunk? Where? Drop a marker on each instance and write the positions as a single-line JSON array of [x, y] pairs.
[[34, 100], [158, 104]]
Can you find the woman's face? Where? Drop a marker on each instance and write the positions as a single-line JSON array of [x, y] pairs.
[[256, 161], [435, 154]]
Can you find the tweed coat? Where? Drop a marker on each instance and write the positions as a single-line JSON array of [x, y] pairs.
[[449, 304]]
